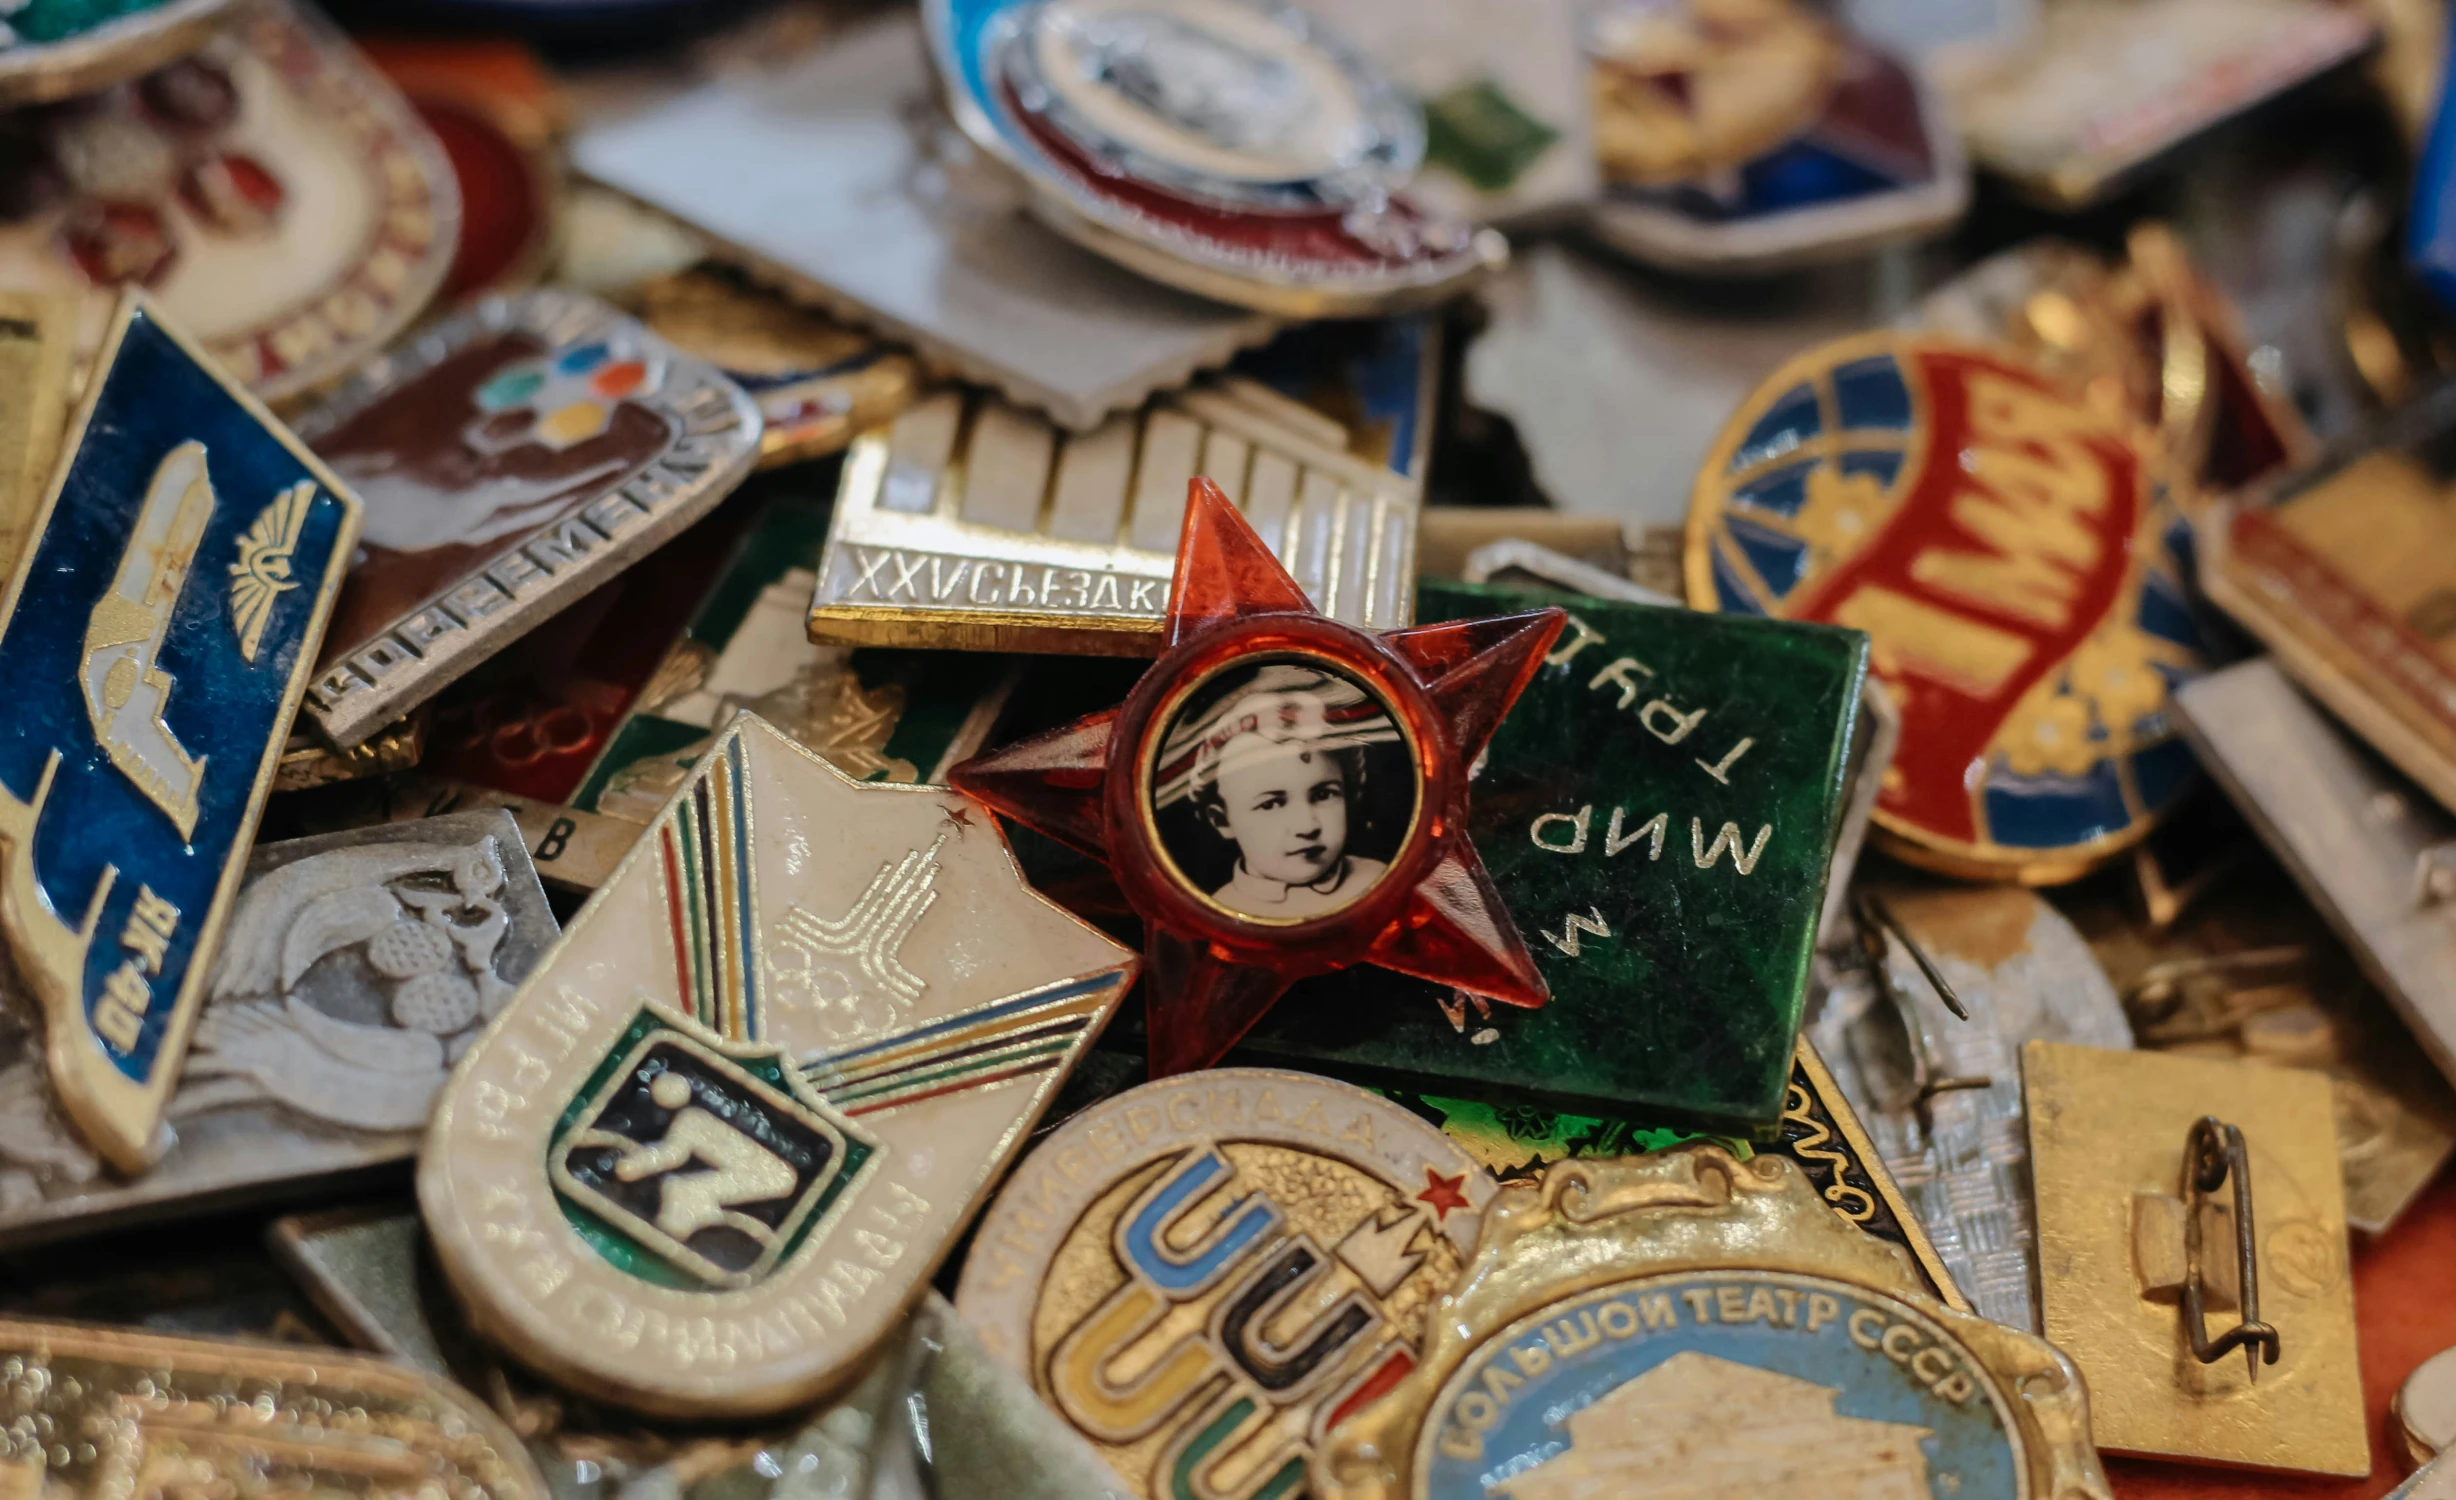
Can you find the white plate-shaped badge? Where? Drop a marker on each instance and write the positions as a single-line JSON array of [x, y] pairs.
[[277, 198], [719, 1141], [1233, 148]]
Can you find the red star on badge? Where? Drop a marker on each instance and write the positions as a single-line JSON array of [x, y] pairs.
[[1284, 794], [1441, 1194]]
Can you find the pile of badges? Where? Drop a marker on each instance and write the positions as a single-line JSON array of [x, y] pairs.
[[1227, 749]]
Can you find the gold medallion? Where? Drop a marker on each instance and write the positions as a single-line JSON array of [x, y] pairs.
[[1689, 1324], [1209, 1274]]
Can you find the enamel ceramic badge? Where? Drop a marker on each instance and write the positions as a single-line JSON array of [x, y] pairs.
[[1658, 812], [715, 1146], [511, 459], [1232, 148], [1298, 1227], [2007, 548], [1683, 1323], [1283, 794], [156, 640]]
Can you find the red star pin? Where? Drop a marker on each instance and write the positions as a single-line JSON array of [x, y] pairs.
[[1441, 1194], [1283, 794]]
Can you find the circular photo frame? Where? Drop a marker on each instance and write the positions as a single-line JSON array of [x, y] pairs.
[[1281, 788]]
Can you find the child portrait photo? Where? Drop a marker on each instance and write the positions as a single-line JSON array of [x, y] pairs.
[[1282, 789]]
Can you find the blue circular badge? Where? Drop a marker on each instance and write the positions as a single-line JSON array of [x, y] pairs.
[[1721, 1383]]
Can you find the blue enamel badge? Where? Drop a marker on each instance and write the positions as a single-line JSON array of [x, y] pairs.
[[156, 640], [1721, 1383]]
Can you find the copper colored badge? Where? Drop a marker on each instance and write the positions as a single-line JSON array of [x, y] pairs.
[[2345, 573], [1283, 794]]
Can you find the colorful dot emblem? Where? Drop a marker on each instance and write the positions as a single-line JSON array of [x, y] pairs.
[[561, 399], [2008, 551]]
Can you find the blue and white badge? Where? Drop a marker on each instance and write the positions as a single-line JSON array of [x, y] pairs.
[[1232, 148], [156, 640], [1721, 1383]]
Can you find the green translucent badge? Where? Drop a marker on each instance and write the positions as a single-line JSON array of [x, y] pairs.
[[1658, 813]]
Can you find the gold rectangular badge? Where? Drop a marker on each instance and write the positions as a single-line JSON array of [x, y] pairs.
[[2117, 1226], [971, 524], [2349, 576]]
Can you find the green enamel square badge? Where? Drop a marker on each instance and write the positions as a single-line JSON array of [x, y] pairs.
[[1659, 812]]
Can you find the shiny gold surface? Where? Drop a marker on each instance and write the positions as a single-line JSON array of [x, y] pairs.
[[94, 1412], [969, 524], [1587, 1224], [2106, 1127], [307, 762]]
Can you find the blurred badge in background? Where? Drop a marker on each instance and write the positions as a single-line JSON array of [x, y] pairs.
[[1744, 135], [273, 193], [2109, 87], [1234, 148], [1507, 138], [52, 49]]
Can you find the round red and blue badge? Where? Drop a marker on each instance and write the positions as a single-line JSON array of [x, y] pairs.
[[2008, 550]]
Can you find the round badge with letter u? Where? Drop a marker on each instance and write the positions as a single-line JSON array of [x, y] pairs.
[[1299, 1228], [1232, 148], [2008, 550]]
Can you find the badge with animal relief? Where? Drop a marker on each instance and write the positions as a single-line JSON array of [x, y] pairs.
[[156, 640], [356, 969], [714, 1148]]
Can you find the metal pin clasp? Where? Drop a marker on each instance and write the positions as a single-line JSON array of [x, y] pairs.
[[2213, 1153], [1876, 922]]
